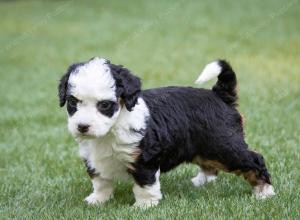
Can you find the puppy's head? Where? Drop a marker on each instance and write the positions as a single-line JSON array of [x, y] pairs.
[[94, 93]]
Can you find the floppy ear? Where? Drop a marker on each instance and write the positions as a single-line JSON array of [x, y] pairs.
[[63, 84], [62, 89], [128, 85]]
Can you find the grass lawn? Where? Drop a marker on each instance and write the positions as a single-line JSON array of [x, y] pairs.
[[165, 43]]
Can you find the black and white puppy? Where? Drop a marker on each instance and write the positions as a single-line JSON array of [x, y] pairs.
[[124, 131]]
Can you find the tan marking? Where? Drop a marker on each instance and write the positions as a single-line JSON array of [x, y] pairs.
[[243, 120], [135, 156], [209, 166], [251, 177], [212, 167], [130, 167], [122, 102]]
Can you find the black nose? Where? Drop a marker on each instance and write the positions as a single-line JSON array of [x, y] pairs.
[[83, 128]]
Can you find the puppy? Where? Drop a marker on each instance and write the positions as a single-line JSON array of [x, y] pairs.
[[124, 131]]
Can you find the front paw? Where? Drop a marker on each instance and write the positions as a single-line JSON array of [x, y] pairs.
[[97, 198]]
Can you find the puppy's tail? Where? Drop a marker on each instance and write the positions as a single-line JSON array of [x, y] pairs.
[[225, 87]]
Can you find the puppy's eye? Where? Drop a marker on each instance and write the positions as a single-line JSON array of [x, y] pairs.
[[72, 101], [72, 105], [107, 107], [104, 105]]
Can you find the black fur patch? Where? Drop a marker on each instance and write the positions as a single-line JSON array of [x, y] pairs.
[[63, 84], [189, 122], [72, 105], [226, 84], [141, 131], [128, 86], [91, 171], [109, 110]]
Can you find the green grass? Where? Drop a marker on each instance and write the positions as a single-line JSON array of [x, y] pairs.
[[165, 43]]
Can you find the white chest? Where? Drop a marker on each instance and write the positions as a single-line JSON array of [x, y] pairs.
[[113, 154], [107, 158]]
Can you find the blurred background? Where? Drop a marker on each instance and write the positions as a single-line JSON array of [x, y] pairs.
[[164, 43]]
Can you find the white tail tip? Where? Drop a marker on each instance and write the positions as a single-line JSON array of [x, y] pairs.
[[210, 71]]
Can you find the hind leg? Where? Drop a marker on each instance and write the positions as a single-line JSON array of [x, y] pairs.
[[259, 177], [261, 189], [243, 162], [205, 175]]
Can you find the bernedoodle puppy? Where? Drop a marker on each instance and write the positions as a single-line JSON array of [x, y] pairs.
[[124, 131]]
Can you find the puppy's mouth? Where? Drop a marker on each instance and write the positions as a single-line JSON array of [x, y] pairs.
[[84, 136]]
